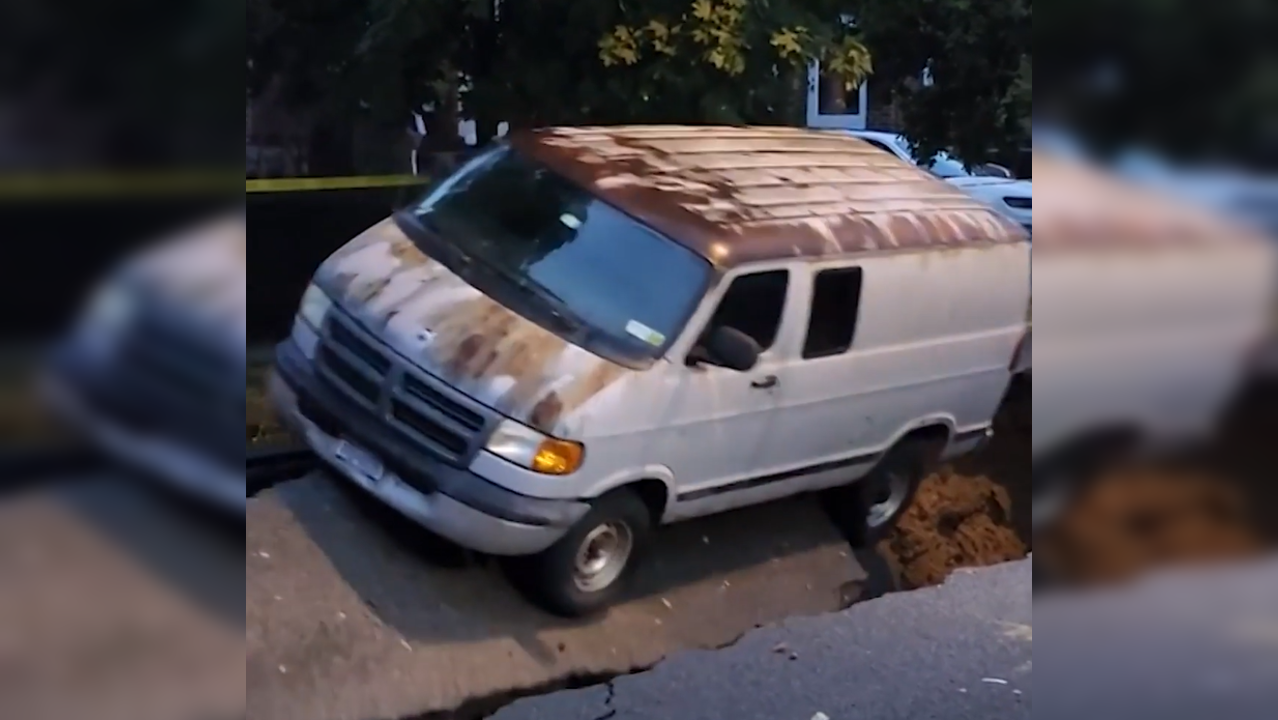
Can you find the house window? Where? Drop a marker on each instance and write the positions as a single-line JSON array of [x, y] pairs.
[[833, 97], [831, 105], [836, 297]]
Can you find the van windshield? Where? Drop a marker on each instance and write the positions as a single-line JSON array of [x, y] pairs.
[[561, 257]]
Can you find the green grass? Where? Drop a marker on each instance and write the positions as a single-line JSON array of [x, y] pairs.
[[24, 418], [260, 423]]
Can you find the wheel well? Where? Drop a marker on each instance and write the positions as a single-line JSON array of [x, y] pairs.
[[654, 495], [932, 437]]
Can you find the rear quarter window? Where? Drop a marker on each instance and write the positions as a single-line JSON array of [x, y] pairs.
[[836, 300]]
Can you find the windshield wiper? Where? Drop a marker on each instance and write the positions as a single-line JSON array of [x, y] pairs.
[[554, 304]]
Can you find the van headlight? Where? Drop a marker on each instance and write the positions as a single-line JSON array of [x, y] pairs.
[[525, 447], [314, 306]]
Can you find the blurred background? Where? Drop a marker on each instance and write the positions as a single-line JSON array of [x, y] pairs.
[[119, 129]]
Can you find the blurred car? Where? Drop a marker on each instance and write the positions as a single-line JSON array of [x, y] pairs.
[[1150, 313], [153, 369], [1237, 194], [992, 184]]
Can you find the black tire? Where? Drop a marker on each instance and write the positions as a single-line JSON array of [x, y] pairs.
[[548, 579], [849, 506]]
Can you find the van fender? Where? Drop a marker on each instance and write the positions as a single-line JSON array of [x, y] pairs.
[[628, 476], [945, 420]]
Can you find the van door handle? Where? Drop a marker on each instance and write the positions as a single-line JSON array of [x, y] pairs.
[[764, 382]]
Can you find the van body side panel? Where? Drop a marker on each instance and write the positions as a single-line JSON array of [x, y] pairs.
[[933, 344], [1151, 340], [934, 341]]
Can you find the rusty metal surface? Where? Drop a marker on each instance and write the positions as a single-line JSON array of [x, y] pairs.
[[741, 194], [352, 612], [434, 318], [1084, 208]]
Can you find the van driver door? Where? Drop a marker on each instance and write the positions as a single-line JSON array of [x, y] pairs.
[[721, 418]]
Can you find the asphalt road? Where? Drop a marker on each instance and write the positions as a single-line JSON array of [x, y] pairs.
[[355, 613], [1187, 644], [961, 650], [116, 604], [119, 602]]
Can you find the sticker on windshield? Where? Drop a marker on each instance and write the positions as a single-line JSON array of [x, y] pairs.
[[572, 222], [644, 333]]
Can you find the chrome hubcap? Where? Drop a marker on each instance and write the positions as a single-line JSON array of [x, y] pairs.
[[883, 512], [602, 556]]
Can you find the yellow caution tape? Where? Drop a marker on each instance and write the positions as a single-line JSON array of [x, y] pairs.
[[36, 187], [331, 183], [115, 185]]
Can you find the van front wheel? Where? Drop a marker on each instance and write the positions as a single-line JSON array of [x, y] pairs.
[[590, 567]]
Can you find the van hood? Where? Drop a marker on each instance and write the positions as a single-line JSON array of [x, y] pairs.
[[449, 328], [200, 273]]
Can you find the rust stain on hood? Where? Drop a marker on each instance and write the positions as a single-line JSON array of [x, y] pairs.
[[452, 330]]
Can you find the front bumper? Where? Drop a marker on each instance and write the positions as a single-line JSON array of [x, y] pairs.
[[453, 502], [94, 403]]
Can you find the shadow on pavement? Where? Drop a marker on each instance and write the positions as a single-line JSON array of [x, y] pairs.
[[730, 572], [196, 552]]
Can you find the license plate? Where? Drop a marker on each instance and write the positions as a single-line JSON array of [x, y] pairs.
[[361, 460]]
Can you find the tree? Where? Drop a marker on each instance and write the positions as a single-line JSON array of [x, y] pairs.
[[727, 61], [1188, 78], [579, 61], [977, 57]]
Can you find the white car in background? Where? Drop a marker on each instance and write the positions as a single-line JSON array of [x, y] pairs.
[[990, 183]]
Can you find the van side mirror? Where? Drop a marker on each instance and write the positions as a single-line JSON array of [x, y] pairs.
[[727, 347]]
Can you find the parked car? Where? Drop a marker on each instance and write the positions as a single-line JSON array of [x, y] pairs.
[[1151, 313], [585, 333], [992, 184], [153, 370]]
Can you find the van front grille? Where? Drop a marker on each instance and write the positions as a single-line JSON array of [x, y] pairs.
[[416, 405]]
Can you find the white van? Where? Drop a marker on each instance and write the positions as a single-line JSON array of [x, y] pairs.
[[1149, 312], [152, 371], [588, 332]]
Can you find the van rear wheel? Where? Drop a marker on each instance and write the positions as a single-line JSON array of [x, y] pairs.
[[866, 510], [590, 567]]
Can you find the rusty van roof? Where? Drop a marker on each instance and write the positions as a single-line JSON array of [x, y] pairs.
[[1086, 208], [742, 194]]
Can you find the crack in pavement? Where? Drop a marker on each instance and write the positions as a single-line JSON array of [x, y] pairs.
[[612, 694]]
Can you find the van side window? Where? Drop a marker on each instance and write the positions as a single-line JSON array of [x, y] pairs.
[[836, 295], [753, 305]]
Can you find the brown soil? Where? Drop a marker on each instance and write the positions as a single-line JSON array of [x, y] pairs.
[[1138, 518], [1219, 505], [972, 513]]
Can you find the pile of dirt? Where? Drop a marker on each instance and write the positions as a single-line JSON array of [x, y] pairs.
[[1140, 518], [955, 521], [1221, 504], [973, 513]]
